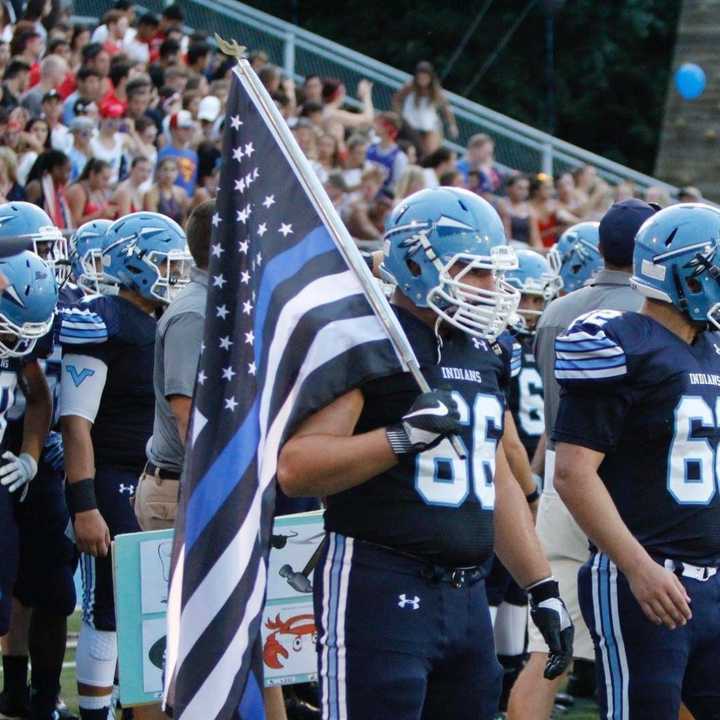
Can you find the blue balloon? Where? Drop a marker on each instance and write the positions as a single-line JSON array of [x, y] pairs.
[[690, 81]]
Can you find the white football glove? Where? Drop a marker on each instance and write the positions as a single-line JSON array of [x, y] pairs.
[[17, 471]]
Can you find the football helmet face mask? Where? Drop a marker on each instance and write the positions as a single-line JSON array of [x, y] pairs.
[[27, 304], [86, 257], [147, 252], [434, 240], [27, 220], [677, 260], [534, 279], [575, 257]]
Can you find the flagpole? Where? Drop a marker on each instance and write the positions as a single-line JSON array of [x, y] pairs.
[[346, 245]]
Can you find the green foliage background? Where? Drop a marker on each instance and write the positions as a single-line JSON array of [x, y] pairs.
[[612, 59]]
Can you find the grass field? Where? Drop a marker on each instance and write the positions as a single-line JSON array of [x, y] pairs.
[[581, 711]]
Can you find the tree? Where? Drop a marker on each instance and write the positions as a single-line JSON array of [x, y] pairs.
[[612, 59]]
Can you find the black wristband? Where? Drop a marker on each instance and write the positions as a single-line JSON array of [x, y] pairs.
[[544, 590], [532, 496], [80, 496], [398, 439]]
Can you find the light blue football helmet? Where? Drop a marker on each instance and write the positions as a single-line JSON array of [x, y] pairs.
[[27, 304], [27, 220], [147, 252], [86, 256], [677, 260], [533, 277], [433, 239], [575, 257]]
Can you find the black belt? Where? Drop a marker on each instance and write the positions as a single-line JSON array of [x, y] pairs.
[[458, 577], [162, 473]]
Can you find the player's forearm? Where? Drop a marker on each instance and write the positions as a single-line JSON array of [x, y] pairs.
[[537, 465], [38, 413], [79, 454], [517, 456], [587, 499], [321, 465], [516, 543]]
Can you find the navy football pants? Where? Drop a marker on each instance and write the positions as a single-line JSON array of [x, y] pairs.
[[47, 555], [393, 643], [644, 671], [9, 552], [114, 487]]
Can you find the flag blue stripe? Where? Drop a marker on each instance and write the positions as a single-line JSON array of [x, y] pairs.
[[282, 267], [221, 477]]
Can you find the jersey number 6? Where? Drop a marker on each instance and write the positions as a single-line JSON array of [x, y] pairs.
[[442, 478], [693, 465]]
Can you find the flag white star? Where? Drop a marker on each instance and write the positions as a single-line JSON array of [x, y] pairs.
[[237, 153], [218, 281], [243, 247], [248, 179], [249, 338], [269, 200], [216, 219], [285, 229], [251, 368], [230, 403], [222, 311], [202, 347], [262, 229], [249, 149], [202, 377], [228, 373], [244, 277], [217, 250], [244, 214], [247, 307], [256, 174], [225, 342], [240, 185], [235, 122]]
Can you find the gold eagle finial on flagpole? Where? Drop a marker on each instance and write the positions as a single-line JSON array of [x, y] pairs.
[[230, 48]]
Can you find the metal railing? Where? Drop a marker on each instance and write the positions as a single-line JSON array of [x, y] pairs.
[[301, 53]]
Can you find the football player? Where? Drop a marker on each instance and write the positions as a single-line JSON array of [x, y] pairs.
[[27, 307], [564, 543], [86, 258], [44, 590], [537, 285], [575, 257], [107, 411], [403, 622], [637, 465]]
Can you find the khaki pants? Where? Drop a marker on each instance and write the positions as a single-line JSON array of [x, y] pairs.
[[156, 501]]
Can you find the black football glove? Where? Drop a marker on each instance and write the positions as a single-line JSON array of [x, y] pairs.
[[551, 617], [433, 416]]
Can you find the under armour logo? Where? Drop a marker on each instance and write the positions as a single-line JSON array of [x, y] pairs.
[[129, 489], [79, 377], [479, 344], [717, 349], [404, 601]]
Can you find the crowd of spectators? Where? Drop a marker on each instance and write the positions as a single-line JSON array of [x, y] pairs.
[[96, 122]]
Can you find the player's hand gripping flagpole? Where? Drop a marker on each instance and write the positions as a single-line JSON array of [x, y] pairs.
[[294, 319]]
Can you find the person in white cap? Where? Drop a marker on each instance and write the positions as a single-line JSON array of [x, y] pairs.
[[182, 127]]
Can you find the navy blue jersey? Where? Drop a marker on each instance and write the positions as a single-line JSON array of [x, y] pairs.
[[650, 402], [525, 397], [122, 336], [434, 504], [10, 384]]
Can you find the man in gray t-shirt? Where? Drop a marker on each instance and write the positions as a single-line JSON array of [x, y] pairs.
[[564, 543], [177, 351]]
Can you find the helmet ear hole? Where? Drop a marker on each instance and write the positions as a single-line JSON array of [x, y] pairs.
[[414, 268], [694, 285]]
